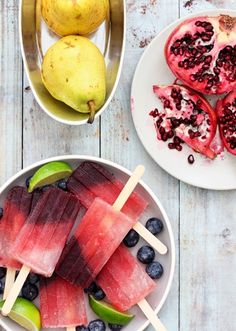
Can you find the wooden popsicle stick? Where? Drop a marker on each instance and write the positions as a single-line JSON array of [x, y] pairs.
[[150, 238], [15, 290], [151, 315], [120, 202], [71, 328], [10, 279], [128, 188]]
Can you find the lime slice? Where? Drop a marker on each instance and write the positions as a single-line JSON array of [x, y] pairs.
[[26, 314], [49, 174], [109, 314]]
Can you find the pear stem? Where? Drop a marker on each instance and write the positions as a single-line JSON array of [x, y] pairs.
[[92, 111]]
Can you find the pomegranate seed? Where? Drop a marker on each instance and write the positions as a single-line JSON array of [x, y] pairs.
[[177, 140], [179, 148], [191, 159], [162, 130], [171, 146], [164, 136], [171, 134], [198, 23]]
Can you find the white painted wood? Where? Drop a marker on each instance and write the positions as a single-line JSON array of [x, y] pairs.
[[203, 221], [10, 91]]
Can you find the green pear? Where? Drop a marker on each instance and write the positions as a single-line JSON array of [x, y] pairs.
[[74, 72], [74, 16]]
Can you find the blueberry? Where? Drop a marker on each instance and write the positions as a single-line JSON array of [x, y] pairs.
[[62, 184], [154, 225], [33, 278], [2, 272], [93, 287], [30, 292], [27, 182], [115, 327], [131, 238], [1, 213], [81, 328], [154, 270], [1, 287], [146, 254], [97, 325], [99, 294]]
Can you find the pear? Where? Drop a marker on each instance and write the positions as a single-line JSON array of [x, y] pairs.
[[74, 72], [68, 17]]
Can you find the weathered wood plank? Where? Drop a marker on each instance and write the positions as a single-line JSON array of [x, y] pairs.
[[43, 137], [208, 245], [119, 141], [10, 91]]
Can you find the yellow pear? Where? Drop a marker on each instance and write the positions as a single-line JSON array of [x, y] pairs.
[[67, 17], [74, 72]]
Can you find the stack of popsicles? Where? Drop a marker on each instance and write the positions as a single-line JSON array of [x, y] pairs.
[[42, 238]]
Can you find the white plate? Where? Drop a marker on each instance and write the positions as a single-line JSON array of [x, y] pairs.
[[157, 297], [152, 69]]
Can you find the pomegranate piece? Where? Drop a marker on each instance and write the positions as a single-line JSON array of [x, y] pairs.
[[226, 112], [201, 52], [186, 117]]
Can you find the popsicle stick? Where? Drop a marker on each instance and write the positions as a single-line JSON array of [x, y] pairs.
[[151, 315], [15, 290], [72, 328], [10, 279], [121, 200], [129, 187], [150, 238]]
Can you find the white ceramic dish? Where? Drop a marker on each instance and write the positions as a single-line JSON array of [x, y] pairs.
[[158, 297], [152, 69], [36, 38]]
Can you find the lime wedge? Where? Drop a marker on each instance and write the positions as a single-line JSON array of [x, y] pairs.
[[26, 314], [49, 174], [109, 314]]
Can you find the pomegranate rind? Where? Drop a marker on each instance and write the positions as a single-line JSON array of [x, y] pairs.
[[219, 110], [202, 147], [225, 31]]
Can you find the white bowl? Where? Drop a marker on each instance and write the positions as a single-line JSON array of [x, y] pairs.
[[157, 297]]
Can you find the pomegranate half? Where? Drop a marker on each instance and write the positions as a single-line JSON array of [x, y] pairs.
[[226, 111], [201, 52], [186, 117]]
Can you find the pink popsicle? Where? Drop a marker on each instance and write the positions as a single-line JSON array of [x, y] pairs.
[[16, 209], [91, 180], [97, 237], [43, 236], [62, 304], [124, 281]]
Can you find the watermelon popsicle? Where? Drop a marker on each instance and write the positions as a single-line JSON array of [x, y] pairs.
[[91, 180], [16, 209], [126, 284], [62, 305], [98, 235], [42, 238]]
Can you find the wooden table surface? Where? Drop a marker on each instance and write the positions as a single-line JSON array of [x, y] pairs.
[[203, 295]]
